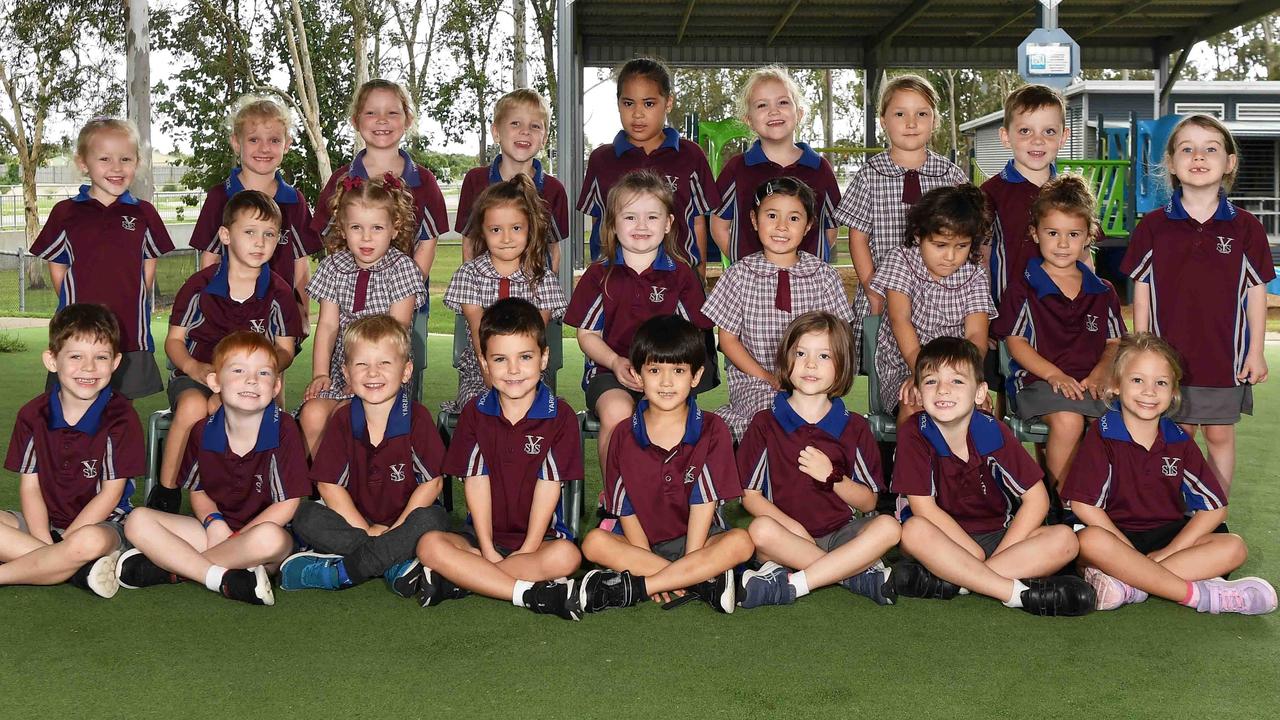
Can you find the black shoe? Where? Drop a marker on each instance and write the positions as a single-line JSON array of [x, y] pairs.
[[434, 588], [251, 586], [1059, 595], [135, 570], [603, 589], [911, 579], [720, 592], [165, 499], [554, 598]]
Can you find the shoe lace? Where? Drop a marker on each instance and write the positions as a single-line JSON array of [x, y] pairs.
[[1231, 600]]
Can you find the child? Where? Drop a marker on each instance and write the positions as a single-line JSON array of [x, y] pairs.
[[1154, 509], [508, 248], [875, 203], [975, 505], [206, 309], [520, 122], [667, 477], [805, 465], [515, 446], [378, 473], [640, 274], [758, 296], [246, 469], [75, 449], [102, 247], [935, 285], [260, 138], [645, 142], [368, 272], [381, 114], [1200, 267], [772, 106], [1061, 322]]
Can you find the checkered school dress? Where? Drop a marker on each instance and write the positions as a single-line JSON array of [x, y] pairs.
[[478, 282], [938, 308], [873, 204], [338, 280], [743, 302]]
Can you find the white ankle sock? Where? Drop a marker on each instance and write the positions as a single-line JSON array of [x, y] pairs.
[[1015, 600], [517, 595], [213, 578], [799, 582]]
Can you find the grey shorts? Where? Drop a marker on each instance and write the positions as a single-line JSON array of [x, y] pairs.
[[504, 551], [115, 526], [1038, 399], [1214, 406], [181, 384], [842, 534], [603, 383], [989, 541], [137, 377], [673, 549]]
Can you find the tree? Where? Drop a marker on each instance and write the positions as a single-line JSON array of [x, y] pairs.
[[304, 80], [463, 99], [416, 24]]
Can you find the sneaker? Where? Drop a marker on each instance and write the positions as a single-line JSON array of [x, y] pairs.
[[1111, 593], [1059, 595], [165, 499], [403, 577], [135, 570], [98, 576], [311, 571], [873, 583], [1247, 596], [251, 586], [720, 592], [434, 588], [603, 589], [911, 579], [766, 586], [554, 598]]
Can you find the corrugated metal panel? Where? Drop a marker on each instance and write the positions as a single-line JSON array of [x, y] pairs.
[[990, 154], [1257, 111]]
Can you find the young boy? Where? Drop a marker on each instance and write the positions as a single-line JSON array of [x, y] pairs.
[[520, 122], [246, 469], [514, 446], [666, 478], [239, 293], [975, 502], [378, 472], [75, 449]]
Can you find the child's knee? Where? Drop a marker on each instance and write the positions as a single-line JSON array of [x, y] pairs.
[[739, 541], [1094, 541], [765, 531], [1238, 550], [915, 530], [887, 528], [1064, 542], [594, 542], [1219, 434], [430, 544], [563, 557], [268, 540], [191, 406], [1067, 423], [90, 543], [138, 520]]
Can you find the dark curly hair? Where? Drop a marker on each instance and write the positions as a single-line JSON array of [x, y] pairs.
[[960, 210]]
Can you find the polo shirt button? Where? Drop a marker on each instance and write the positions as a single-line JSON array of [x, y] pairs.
[[667, 478]]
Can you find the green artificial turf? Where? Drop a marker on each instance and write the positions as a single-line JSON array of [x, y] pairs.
[[364, 653]]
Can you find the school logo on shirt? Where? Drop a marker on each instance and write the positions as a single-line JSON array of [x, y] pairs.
[[257, 483], [533, 444], [1224, 245], [689, 473], [129, 223], [258, 326], [397, 472], [1091, 323], [656, 295], [89, 468], [672, 182], [1170, 468]]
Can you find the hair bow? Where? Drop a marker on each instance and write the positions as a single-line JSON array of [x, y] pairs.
[[352, 182], [392, 182]]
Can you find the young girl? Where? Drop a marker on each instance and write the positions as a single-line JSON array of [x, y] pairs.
[[381, 114], [1200, 266], [641, 273], [645, 142], [1154, 509], [102, 247], [805, 465], [875, 203], [1061, 322], [508, 234], [368, 272], [935, 285], [759, 295], [771, 104]]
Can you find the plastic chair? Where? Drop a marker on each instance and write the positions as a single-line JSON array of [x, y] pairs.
[[157, 430], [418, 351], [884, 425], [1024, 430]]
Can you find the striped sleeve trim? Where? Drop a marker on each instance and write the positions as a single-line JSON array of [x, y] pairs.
[[1197, 495]]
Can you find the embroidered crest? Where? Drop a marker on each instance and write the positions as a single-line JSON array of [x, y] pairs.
[[397, 472], [655, 296], [672, 182], [258, 326], [131, 223], [257, 483], [89, 468], [533, 444], [1091, 323], [1224, 245], [1170, 468], [688, 474]]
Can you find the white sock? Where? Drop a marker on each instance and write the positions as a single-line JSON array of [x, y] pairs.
[[1015, 600], [799, 582], [517, 595], [213, 578]]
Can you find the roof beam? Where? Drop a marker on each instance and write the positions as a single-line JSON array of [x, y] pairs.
[[684, 21], [885, 34], [1116, 16], [1167, 88], [782, 22], [1000, 28], [1245, 12]]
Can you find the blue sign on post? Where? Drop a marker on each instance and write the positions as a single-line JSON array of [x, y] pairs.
[[1049, 57]]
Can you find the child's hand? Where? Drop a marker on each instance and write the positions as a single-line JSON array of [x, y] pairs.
[[1160, 555], [772, 381], [318, 384], [202, 371], [491, 554], [1255, 369], [1096, 383], [376, 529], [815, 464], [984, 404], [218, 532], [908, 394], [1065, 385], [666, 597], [626, 374], [875, 301]]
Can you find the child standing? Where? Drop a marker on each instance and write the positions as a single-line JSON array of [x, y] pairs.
[[771, 104], [102, 247], [368, 272], [1154, 509], [935, 285], [1199, 240], [806, 464], [507, 243], [520, 122], [758, 296]]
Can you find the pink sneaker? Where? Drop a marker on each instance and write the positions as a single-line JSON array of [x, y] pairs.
[[1112, 593], [1247, 596]]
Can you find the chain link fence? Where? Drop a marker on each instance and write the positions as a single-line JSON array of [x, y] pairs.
[[25, 288]]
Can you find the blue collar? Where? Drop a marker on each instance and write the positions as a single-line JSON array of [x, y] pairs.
[[808, 158], [984, 430], [1112, 427], [214, 438], [1044, 285], [1010, 173], [833, 423], [220, 285], [1174, 210], [662, 261], [621, 145], [543, 408], [83, 196], [88, 423], [397, 422], [409, 174], [692, 423], [285, 193], [496, 177]]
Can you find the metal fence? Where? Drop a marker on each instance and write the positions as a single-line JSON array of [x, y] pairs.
[[18, 295], [176, 207]]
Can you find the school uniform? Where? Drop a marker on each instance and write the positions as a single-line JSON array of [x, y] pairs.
[[428, 202], [552, 191], [1010, 196], [681, 162], [743, 174]]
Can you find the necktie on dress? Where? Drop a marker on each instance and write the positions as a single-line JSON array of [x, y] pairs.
[[362, 291], [782, 297], [504, 288], [911, 187]]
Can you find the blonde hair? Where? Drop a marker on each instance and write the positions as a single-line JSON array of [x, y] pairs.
[[520, 193], [1208, 122], [521, 97], [775, 73], [258, 109], [100, 125], [1136, 344], [379, 84], [376, 329], [912, 82], [626, 190], [388, 193]]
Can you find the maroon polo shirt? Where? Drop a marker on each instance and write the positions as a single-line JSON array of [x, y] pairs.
[[680, 161], [1199, 275], [743, 174], [479, 178], [979, 494], [204, 307], [1070, 333], [428, 201], [1010, 196], [659, 485], [103, 248], [769, 462], [1141, 489], [544, 445], [614, 300], [297, 239], [380, 478], [275, 469], [72, 461]]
